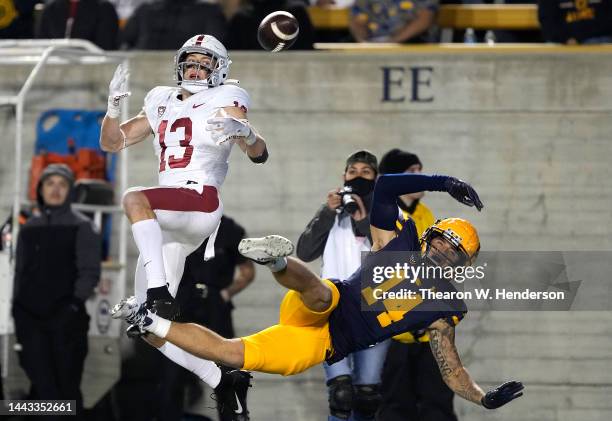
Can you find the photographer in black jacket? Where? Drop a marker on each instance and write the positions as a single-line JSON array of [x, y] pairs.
[[359, 176], [339, 233], [57, 267]]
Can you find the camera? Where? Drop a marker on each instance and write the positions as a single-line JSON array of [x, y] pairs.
[[348, 203]]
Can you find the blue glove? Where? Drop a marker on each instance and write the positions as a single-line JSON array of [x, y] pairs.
[[463, 192], [502, 395]]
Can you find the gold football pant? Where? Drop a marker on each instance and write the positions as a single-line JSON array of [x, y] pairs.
[[299, 341]]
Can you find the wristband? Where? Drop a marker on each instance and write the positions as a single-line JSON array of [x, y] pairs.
[[113, 110]]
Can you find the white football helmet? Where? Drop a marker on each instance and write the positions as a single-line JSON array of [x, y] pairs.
[[219, 66]]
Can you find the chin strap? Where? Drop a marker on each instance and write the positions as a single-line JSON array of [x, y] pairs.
[[193, 88]]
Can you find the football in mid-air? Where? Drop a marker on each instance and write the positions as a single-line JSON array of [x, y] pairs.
[[278, 31]]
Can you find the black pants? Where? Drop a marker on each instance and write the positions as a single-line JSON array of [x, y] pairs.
[[412, 387], [53, 354], [210, 311], [214, 313]]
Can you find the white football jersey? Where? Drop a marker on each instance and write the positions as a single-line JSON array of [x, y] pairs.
[[184, 148]]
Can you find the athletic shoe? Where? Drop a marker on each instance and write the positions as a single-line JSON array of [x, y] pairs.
[[160, 302], [265, 249], [126, 309], [135, 331], [166, 308], [231, 394], [133, 313]]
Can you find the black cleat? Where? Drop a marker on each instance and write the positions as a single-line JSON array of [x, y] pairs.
[[134, 331], [166, 308], [231, 394], [160, 302]]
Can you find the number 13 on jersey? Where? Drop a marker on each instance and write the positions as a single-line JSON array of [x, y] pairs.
[[185, 123]]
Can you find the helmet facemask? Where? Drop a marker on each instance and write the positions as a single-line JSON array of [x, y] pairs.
[[434, 257], [457, 233], [184, 65], [218, 68]]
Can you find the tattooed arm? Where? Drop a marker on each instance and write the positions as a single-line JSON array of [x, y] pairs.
[[442, 343]]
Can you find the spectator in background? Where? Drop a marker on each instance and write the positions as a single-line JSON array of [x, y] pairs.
[[205, 297], [576, 22], [166, 24], [125, 8], [230, 7], [393, 20], [397, 161], [57, 266], [93, 20], [243, 26], [412, 387], [17, 18], [340, 234]]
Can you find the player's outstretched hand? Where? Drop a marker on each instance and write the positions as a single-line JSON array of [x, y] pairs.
[[117, 90], [503, 394], [225, 128], [463, 192]]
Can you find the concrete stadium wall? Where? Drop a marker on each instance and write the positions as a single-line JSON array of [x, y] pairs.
[[530, 131]]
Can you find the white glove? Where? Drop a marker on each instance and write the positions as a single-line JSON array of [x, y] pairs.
[[227, 128], [117, 91]]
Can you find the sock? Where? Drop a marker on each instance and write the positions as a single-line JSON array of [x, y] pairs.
[[148, 238], [206, 370], [158, 326], [278, 264]]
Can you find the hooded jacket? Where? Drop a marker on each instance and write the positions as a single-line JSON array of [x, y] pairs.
[[57, 262]]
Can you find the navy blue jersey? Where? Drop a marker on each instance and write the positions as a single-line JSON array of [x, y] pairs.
[[359, 321]]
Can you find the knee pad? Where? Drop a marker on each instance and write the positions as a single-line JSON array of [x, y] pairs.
[[340, 396], [367, 399]]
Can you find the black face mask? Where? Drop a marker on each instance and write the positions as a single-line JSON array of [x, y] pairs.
[[361, 186]]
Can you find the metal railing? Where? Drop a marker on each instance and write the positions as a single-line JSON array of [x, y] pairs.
[[56, 52]]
